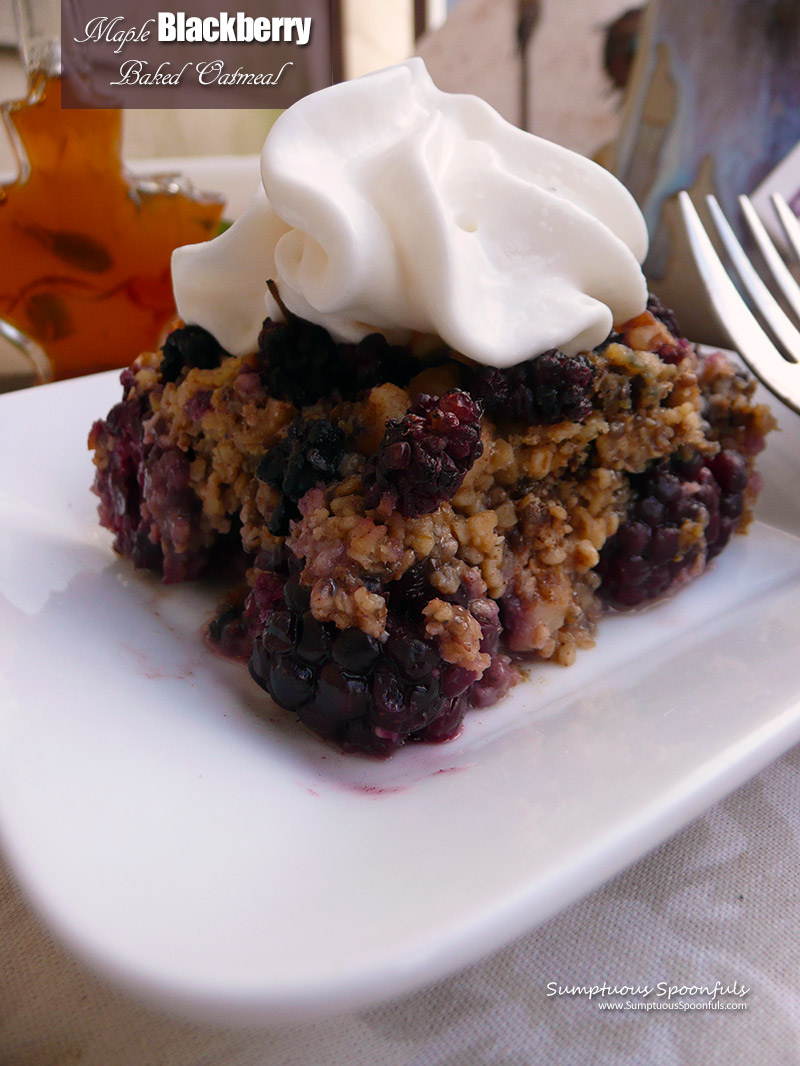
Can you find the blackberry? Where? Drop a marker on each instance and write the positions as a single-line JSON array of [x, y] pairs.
[[554, 387], [646, 558], [729, 470], [678, 350], [175, 515], [189, 346], [505, 394], [363, 694], [674, 353], [562, 387], [409, 594], [119, 483], [301, 363], [664, 314], [297, 360], [309, 455], [146, 496], [424, 458], [346, 686], [372, 362]]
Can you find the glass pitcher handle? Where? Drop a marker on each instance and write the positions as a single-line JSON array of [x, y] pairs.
[[33, 354], [38, 28], [39, 34]]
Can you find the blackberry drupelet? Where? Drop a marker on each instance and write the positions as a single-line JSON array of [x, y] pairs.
[[309, 455], [424, 458], [554, 387], [653, 550], [189, 346]]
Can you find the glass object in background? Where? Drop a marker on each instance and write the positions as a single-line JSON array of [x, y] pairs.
[[713, 106], [375, 35], [85, 272]]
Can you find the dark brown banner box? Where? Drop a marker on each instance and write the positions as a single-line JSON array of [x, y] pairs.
[[200, 53]]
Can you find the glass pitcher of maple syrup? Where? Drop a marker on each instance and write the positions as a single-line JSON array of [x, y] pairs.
[[85, 276]]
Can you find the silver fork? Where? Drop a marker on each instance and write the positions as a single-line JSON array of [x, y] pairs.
[[778, 370]]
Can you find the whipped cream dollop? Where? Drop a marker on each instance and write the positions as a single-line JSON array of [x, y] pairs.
[[389, 206]]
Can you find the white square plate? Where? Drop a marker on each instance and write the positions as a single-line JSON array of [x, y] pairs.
[[210, 851]]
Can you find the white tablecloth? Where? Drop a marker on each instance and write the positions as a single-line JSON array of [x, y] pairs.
[[719, 902]]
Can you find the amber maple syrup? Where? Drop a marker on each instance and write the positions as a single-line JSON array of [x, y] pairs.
[[85, 269]]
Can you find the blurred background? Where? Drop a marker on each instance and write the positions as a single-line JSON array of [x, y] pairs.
[[469, 45], [668, 96], [556, 67]]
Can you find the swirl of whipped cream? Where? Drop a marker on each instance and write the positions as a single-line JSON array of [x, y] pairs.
[[390, 206]]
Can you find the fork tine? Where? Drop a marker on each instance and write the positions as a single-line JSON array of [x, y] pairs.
[[772, 257], [763, 298], [747, 337], [789, 221]]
